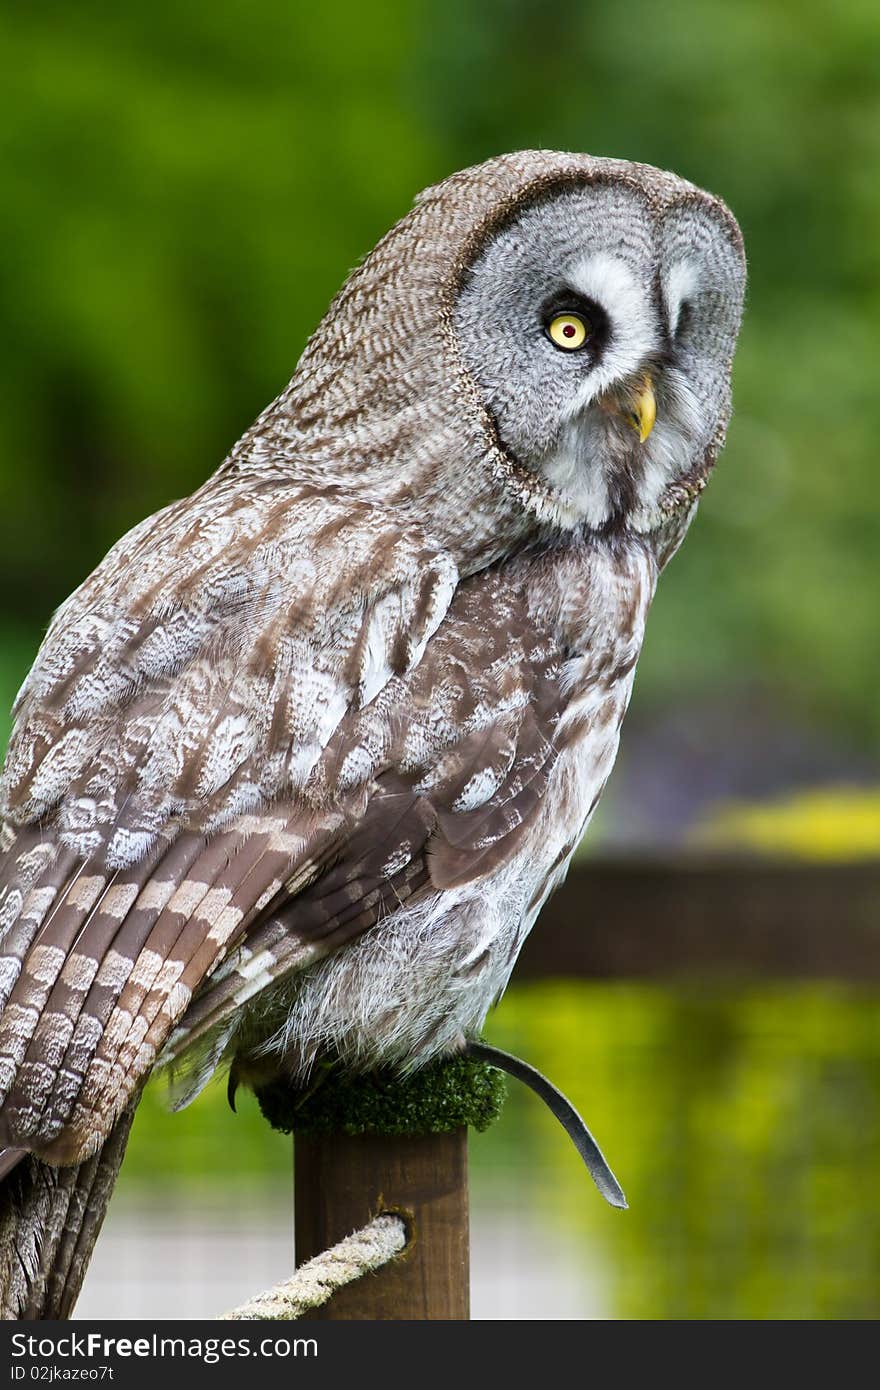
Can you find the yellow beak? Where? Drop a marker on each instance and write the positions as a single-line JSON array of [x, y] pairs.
[[639, 410]]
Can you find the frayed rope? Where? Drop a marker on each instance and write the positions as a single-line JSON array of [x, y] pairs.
[[317, 1280]]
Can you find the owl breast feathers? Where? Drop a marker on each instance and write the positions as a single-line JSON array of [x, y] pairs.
[[296, 768]]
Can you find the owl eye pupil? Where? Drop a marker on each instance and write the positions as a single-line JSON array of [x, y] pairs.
[[568, 330]]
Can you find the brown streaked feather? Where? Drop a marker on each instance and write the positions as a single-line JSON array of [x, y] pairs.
[[35, 869], [405, 844], [85, 1216], [76, 982], [100, 1023], [50, 1219]]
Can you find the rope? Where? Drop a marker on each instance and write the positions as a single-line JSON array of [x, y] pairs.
[[317, 1280]]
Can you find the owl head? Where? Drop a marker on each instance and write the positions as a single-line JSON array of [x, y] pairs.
[[598, 324], [545, 340]]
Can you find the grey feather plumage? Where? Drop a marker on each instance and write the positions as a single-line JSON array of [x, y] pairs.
[[298, 765]]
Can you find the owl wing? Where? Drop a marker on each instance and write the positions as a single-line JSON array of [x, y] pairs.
[[207, 662], [160, 785], [476, 732]]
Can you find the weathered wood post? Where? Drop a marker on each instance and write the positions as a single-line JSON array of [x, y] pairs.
[[377, 1143], [342, 1181]]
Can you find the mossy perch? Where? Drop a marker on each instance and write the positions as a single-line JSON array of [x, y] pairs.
[[379, 1142], [436, 1100]]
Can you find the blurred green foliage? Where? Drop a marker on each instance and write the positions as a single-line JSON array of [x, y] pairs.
[[743, 1123], [838, 824], [186, 186]]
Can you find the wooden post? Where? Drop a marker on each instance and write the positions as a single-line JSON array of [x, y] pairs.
[[367, 1143], [342, 1181]]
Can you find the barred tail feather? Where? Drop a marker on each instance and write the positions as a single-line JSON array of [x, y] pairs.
[[50, 1219]]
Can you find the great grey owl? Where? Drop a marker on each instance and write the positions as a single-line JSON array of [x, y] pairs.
[[297, 767]]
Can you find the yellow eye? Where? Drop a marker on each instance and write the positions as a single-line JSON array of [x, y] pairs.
[[569, 331]]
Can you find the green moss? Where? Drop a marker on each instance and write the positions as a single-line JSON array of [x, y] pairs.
[[439, 1098]]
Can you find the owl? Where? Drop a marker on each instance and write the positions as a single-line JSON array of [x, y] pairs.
[[297, 767]]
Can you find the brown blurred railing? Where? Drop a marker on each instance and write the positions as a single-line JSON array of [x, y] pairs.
[[658, 919]]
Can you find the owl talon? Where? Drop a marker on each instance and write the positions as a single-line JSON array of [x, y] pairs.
[[560, 1106]]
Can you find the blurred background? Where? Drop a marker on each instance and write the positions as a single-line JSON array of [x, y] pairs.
[[185, 187]]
